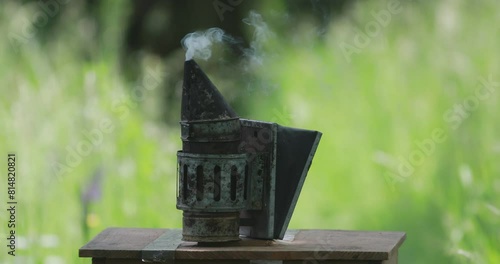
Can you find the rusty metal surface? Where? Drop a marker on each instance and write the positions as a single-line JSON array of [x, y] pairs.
[[253, 170], [211, 131], [210, 227], [211, 182], [259, 142], [200, 99]]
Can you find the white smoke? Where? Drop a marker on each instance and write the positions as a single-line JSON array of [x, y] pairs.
[[254, 56], [261, 32], [198, 44]]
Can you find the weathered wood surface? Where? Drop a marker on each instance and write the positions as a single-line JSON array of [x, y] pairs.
[[120, 243], [130, 261], [325, 246]]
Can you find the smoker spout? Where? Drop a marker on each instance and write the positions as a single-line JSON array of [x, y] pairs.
[[200, 98]]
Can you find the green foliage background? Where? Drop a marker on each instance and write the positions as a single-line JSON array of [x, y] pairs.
[[373, 107]]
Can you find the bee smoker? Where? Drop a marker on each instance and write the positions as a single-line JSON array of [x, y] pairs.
[[235, 176]]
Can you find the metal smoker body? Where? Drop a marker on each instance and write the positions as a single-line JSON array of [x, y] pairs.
[[235, 176]]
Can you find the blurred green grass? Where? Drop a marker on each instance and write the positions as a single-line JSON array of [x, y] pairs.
[[371, 110]]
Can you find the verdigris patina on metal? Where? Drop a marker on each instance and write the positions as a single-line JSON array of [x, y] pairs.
[[235, 176]]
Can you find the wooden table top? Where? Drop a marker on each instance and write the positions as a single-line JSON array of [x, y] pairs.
[[158, 245]]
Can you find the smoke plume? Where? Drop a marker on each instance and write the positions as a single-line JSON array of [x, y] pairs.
[[198, 44], [255, 54]]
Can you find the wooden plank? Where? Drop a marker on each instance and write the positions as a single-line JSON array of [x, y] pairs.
[[332, 262], [310, 245], [218, 261], [120, 243], [163, 248], [306, 245], [123, 261]]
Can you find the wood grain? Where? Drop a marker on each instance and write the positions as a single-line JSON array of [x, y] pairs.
[[317, 246], [307, 244], [120, 243]]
